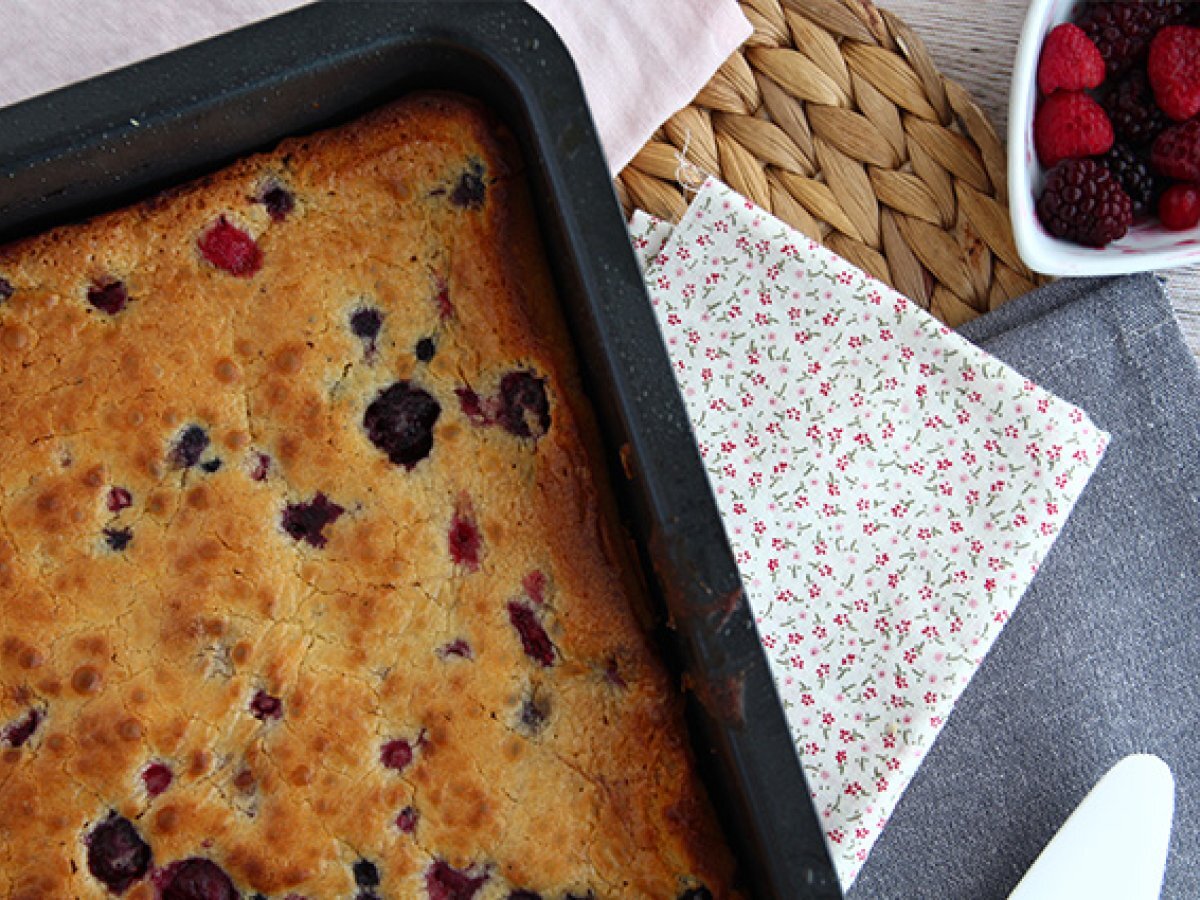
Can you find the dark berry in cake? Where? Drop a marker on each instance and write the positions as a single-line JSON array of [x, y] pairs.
[[17, 733], [210, 466], [464, 538], [400, 420], [265, 706], [524, 408], [457, 647], [260, 466], [195, 879], [6, 289], [1083, 202], [612, 674], [366, 874], [230, 249], [534, 639], [696, 893], [533, 714], [396, 755], [108, 296], [425, 349], [1133, 172], [188, 447], [157, 777], [306, 521], [118, 499], [116, 854], [365, 323], [406, 821], [1122, 31], [444, 882], [117, 538], [471, 189], [1135, 116], [471, 405], [278, 200], [523, 894]]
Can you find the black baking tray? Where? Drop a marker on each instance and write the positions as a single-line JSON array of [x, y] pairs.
[[114, 139]]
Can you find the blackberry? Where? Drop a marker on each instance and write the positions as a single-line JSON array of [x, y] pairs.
[[1122, 31], [1130, 105], [1083, 202], [1133, 172]]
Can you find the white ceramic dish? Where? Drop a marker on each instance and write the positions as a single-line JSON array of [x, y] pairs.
[[1147, 245]]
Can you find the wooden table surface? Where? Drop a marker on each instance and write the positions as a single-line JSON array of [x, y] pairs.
[[974, 43]]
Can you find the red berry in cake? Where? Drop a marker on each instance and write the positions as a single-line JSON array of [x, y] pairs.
[[108, 296], [1122, 31], [457, 647], [116, 854], [1083, 202], [534, 585], [524, 408], [188, 447], [406, 821], [230, 249], [277, 199], [464, 538], [1174, 71], [1069, 61], [1179, 207], [1070, 124], [260, 466], [156, 778], [306, 521], [442, 299], [1133, 173], [534, 640], [1176, 153], [400, 420], [263, 706], [195, 879], [396, 755], [118, 499], [17, 733], [118, 539], [1135, 117], [471, 189], [444, 882]]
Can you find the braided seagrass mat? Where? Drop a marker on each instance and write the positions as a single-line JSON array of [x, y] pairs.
[[833, 116]]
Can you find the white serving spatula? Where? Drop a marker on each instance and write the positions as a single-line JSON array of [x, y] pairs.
[[1114, 846]]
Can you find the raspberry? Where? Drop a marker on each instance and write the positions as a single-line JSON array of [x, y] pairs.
[[229, 248], [1083, 202], [1122, 31], [534, 640], [195, 879], [1070, 124], [157, 777], [1179, 207], [464, 537], [1135, 117], [263, 706], [1176, 153], [1134, 175], [1070, 61], [119, 498], [396, 754], [1175, 71], [444, 882], [406, 821]]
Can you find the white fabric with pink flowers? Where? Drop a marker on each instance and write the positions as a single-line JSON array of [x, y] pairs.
[[888, 488]]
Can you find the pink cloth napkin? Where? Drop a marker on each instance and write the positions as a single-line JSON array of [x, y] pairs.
[[889, 489], [640, 61]]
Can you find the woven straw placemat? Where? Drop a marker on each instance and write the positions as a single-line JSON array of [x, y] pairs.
[[834, 117]]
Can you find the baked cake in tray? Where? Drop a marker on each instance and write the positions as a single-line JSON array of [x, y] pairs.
[[309, 582]]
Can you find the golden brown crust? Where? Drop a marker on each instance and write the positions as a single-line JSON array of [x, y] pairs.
[[561, 778]]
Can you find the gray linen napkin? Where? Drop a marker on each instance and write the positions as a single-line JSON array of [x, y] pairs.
[[1102, 656]]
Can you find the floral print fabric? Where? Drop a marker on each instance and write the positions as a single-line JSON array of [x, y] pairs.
[[888, 488]]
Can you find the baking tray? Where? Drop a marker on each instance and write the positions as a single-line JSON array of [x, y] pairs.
[[114, 139]]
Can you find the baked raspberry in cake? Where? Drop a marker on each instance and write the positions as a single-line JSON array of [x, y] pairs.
[[310, 585]]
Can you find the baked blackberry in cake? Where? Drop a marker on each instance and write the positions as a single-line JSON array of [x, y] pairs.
[[310, 585]]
